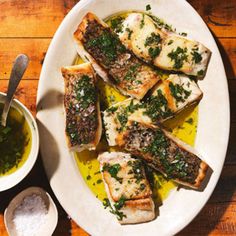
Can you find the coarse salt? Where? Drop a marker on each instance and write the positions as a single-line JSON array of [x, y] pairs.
[[30, 215]]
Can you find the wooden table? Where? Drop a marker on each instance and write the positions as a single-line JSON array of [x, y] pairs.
[[28, 27]]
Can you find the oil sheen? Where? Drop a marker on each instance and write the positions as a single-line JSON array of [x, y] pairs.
[[15, 142], [183, 126]]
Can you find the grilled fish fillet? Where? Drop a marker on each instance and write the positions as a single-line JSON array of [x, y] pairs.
[[164, 152], [83, 119], [168, 98], [127, 187], [141, 34], [113, 62]]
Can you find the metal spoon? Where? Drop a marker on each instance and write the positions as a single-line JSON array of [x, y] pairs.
[[17, 72]]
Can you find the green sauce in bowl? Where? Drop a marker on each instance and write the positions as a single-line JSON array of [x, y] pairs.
[[15, 142]]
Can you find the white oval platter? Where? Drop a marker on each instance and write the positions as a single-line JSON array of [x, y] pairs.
[[181, 206]]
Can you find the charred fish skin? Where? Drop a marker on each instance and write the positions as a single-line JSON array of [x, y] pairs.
[[83, 120], [164, 49], [128, 190], [163, 152], [130, 75], [168, 98]]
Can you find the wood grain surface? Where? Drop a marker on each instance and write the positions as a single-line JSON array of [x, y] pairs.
[[28, 26]]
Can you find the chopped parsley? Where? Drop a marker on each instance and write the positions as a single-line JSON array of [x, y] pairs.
[[116, 24], [85, 91], [121, 202], [88, 177], [113, 170], [159, 147], [178, 56], [129, 32], [148, 7], [178, 92], [196, 56], [136, 170], [183, 34], [142, 186], [142, 22], [99, 181], [200, 73], [132, 72], [159, 23], [157, 107], [189, 121], [154, 52], [109, 44], [124, 112], [153, 39], [117, 206], [122, 118], [112, 109]]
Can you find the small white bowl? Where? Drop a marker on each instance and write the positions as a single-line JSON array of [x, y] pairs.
[[8, 181], [51, 217]]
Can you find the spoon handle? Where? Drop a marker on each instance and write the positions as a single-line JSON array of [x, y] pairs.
[[17, 72]]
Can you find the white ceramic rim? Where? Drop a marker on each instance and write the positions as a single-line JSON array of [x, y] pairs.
[[9, 181], [194, 209]]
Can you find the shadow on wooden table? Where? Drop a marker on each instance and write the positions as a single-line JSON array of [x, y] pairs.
[[220, 201]]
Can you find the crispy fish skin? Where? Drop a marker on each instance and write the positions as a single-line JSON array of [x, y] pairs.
[[167, 99], [83, 119], [112, 61], [130, 184], [164, 49], [164, 152]]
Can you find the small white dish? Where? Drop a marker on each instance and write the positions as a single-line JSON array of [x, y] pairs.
[[52, 214], [8, 181]]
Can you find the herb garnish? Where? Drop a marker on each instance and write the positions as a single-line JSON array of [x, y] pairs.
[[178, 56], [124, 112], [200, 73], [136, 170], [148, 7], [189, 121], [116, 24], [132, 72], [183, 34], [117, 206], [159, 148], [112, 109], [178, 92], [113, 170], [85, 91], [157, 107], [154, 52], [129, 32], [153, 39], [142, 22], [196, 56], [161, 24], [109, 44]]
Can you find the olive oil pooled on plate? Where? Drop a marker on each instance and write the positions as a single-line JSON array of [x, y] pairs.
[[15, 142], [183, 126]]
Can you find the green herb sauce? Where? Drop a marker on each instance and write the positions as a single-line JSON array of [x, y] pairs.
[[15, 142]]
